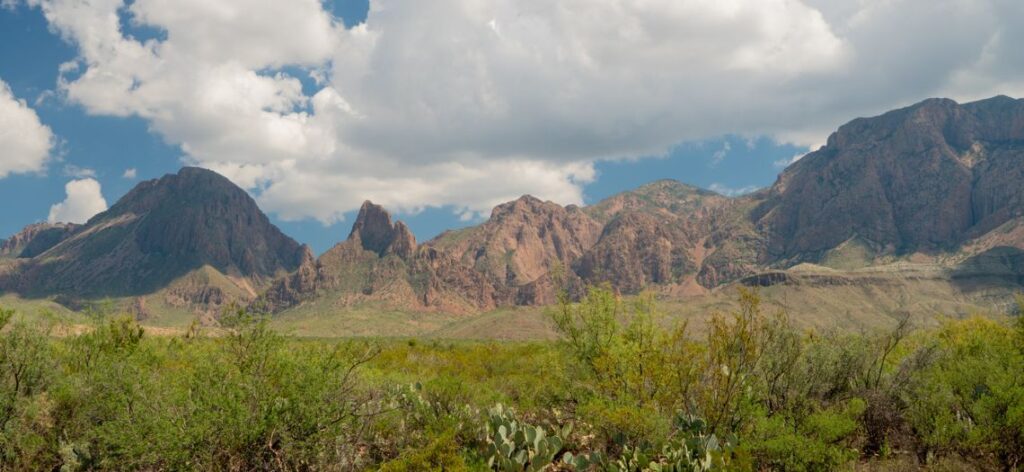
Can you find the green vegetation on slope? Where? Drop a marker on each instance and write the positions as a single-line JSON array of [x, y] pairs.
[[617, 392]]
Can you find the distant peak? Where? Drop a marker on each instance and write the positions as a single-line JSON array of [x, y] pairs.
[[526, 200], [195, 170], [998, 99], [523, 204], [374, 230], [661, 183], [189, 173], [371, 214], [669, 185]]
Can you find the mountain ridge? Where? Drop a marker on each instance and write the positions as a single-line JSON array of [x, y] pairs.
[[159, 232], [937, 181]]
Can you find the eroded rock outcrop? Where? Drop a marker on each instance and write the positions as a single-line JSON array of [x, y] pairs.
[[36, 239], [923, 178], [381, 262], [523, 240]]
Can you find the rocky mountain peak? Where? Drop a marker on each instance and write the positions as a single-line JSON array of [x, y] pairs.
[[403, 243], [374, 231], [523, 240], [163, 229], [525, 204], [921, 178]]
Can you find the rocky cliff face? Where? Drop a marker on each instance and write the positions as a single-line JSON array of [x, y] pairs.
[[381, 262], [919, 179], [523, 240], [36, 239], [163, 229], [670, 234], [937, 178], [373, 231]]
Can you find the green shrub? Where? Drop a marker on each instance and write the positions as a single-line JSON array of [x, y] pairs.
[[753, 394], [441, 454]]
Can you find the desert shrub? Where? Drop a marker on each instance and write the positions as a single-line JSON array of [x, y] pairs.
[[734, 363], [818, 441], [26, 368], [971, 399], [441, 453], [628, 373], [622, 390]]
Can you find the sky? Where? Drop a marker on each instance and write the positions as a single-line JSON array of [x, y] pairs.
[[441, 110]]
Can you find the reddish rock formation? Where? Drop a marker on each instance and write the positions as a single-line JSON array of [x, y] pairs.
[[669, 233], [36, 239], [938, 178], [381, 262], [523, 240]]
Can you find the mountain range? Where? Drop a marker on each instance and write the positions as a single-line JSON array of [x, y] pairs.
[[929, 193]]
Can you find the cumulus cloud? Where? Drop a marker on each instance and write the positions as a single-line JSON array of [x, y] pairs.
[[25, 142], [516, 96], [84, 199], [130, 173], [733, 191]]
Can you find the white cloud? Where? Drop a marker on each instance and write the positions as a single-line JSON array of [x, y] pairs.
[[71, 170], [720, 154], [84, 200], [516, 96], [25, 142], [781, 163], [130, 173], [731, 191]]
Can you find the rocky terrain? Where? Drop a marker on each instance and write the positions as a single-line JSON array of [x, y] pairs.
[[159, 233], [523, 240], [381, 262], [35, 239], [925, 178], [937, 184], [672, 235]]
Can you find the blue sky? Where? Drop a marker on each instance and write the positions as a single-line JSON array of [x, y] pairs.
[[439, 111], [30, 55]]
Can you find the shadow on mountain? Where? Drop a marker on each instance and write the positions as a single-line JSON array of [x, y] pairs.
[[162, 230], [999, 267]]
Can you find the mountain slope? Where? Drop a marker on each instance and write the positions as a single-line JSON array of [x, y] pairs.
[[937, 184], [925, 178], [523, 240], [670, 234], [36, 239], [159, 232], [380, 262]]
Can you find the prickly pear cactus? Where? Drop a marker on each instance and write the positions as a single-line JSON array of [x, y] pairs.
[[515, 446]]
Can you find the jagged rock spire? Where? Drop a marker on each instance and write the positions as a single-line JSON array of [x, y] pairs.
[[374, 231]]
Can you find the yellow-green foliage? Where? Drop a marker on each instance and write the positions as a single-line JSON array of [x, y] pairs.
[[620, 391], [441, 454], [970, 400]]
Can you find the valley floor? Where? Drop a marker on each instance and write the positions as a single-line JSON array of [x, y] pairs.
[[813, 297]]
